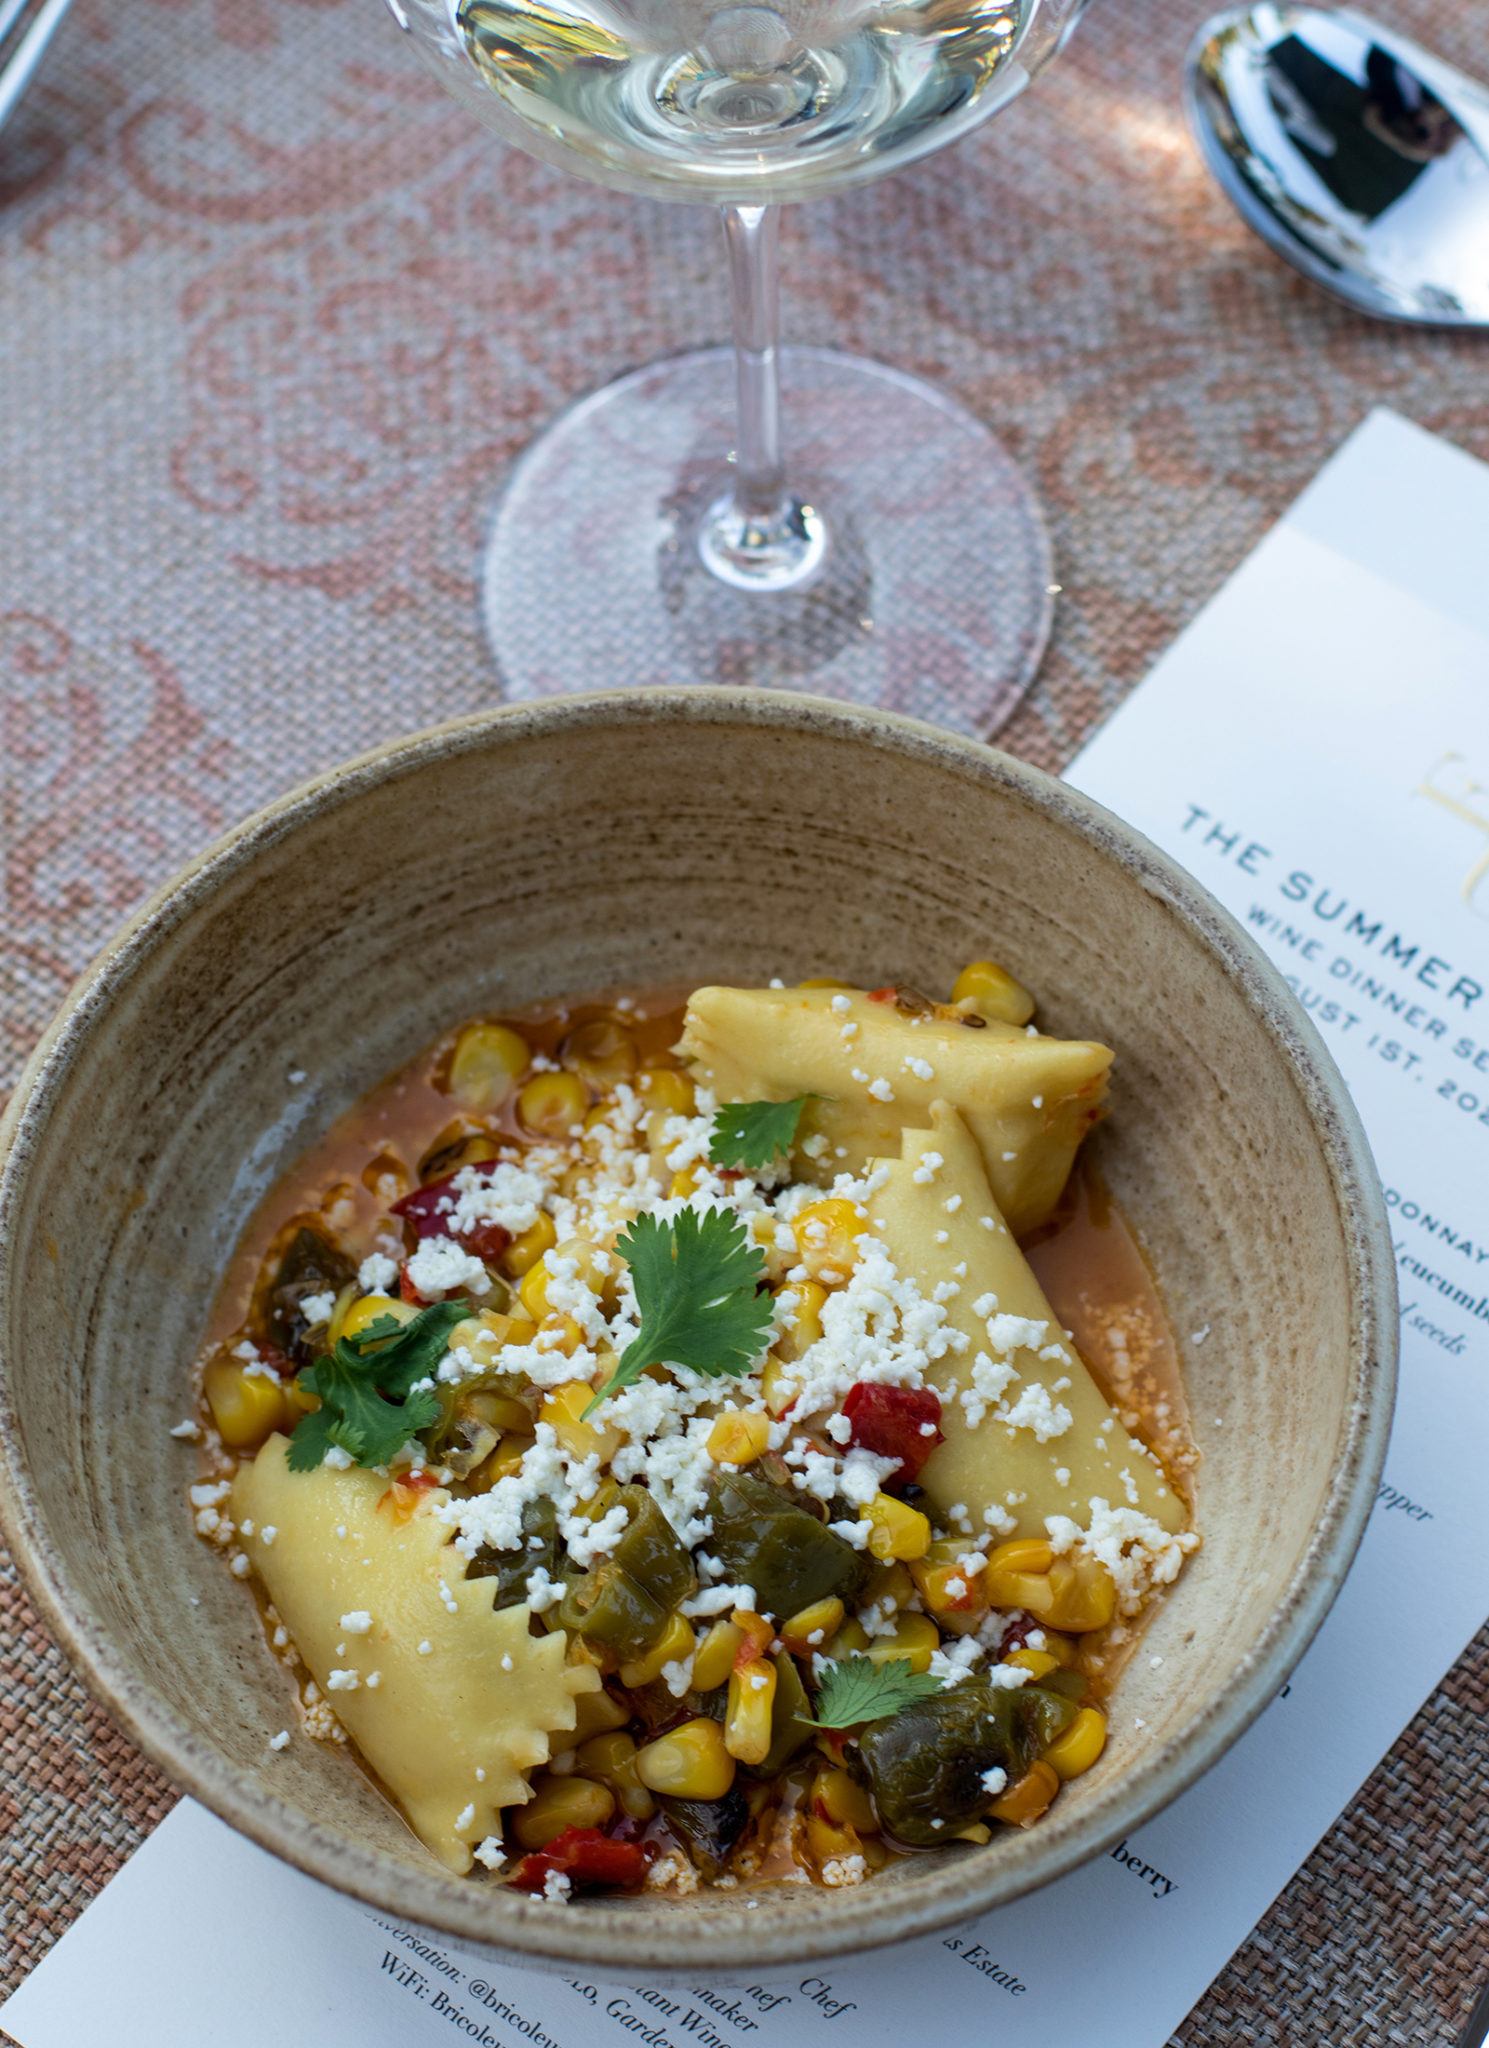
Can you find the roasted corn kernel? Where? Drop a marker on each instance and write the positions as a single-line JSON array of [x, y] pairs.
[[246, 1406], [558, 1803], [801, 1303], [1079, 1747], [914, 1637], [611, 1758], [603, 1052], [1027, 1797], [1038, 1663], [738, 1437], [1076, 1595], [559, 1332], [714, 1659], [829, 1840], [365, 1312], [674, 1646], [841, 1799], [747, 1719], [549, 1105], [895, 1530], [564, 1409], [486, 1064], [994, 992], [689, 1763], [812, 1627], [827, 1235], [667, 1089], [525, 1250], [596, 1713]]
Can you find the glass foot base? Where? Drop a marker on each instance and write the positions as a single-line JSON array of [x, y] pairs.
[[931, 596]]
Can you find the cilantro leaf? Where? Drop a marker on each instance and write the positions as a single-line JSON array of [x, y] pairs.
[[696, 1282], [368, 1408], [857, 1689], [750, 1134]]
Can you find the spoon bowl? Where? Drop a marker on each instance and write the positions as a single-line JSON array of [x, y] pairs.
[[1361, 159]]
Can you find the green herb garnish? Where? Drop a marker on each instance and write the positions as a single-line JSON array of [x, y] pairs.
[[697, 1286], [857, 1689], [750, 1134], [367, 1407]]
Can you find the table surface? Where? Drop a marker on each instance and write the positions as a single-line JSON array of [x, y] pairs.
[[273, 318]]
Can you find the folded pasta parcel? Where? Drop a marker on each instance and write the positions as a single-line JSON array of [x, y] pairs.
[[1028, 1435], [450, 1700], [874, 1063]]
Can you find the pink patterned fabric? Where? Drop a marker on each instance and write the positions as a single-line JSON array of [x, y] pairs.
[[273, 317]]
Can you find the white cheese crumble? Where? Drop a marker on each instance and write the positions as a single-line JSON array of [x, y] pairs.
[[377, 1273], [440, 1265], [357, 1623], [281, 1740]]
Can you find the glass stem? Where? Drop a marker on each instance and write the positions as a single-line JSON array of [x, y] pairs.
[[753, 237], [759, 536]]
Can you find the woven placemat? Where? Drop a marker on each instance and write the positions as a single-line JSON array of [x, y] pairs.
[[273, 318]]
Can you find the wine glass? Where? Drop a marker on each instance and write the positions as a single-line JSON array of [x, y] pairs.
[[648, 537]]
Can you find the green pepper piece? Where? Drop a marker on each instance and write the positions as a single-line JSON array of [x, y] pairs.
[[511, 1569], [312, 1264], [926, 1765], [708, 1827], [766, 1541], [790, 1717], [1041, 1716], [444, 1431], [609, 1609], [650, 1552], [1072, 1685]]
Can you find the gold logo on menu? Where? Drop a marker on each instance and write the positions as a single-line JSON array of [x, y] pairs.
[[1468, 801]]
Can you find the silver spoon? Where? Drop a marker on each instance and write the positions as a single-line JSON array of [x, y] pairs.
[[1361, 158]]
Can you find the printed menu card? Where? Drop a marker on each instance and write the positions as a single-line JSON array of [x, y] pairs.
[[1315, 749]]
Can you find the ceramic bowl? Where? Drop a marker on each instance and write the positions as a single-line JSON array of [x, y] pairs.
[[656, 837]]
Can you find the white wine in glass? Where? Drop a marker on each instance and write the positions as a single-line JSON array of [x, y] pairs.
[[654, 533]]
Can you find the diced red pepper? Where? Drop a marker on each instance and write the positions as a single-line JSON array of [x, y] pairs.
[[583, 1856], [1020, 1628], [891, 1422], [884, 995], [407, 1290], [428, 1210]]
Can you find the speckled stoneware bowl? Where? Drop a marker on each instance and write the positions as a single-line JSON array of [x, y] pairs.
[[656, 837]]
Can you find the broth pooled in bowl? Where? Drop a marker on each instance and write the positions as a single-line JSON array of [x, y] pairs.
[[656, 1456]]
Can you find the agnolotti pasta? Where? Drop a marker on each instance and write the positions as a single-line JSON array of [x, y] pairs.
[[874, 1063], [451, 1702], [1027, 1432], [657, 1455]]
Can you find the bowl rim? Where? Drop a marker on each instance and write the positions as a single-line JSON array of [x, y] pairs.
[[526, 1932]]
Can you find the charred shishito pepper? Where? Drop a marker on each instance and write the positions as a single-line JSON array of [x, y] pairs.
[[942, 1764], [621, 1605], [765, 1541]]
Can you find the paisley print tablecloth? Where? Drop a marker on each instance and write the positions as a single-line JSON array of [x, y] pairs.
[[273, 318]]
